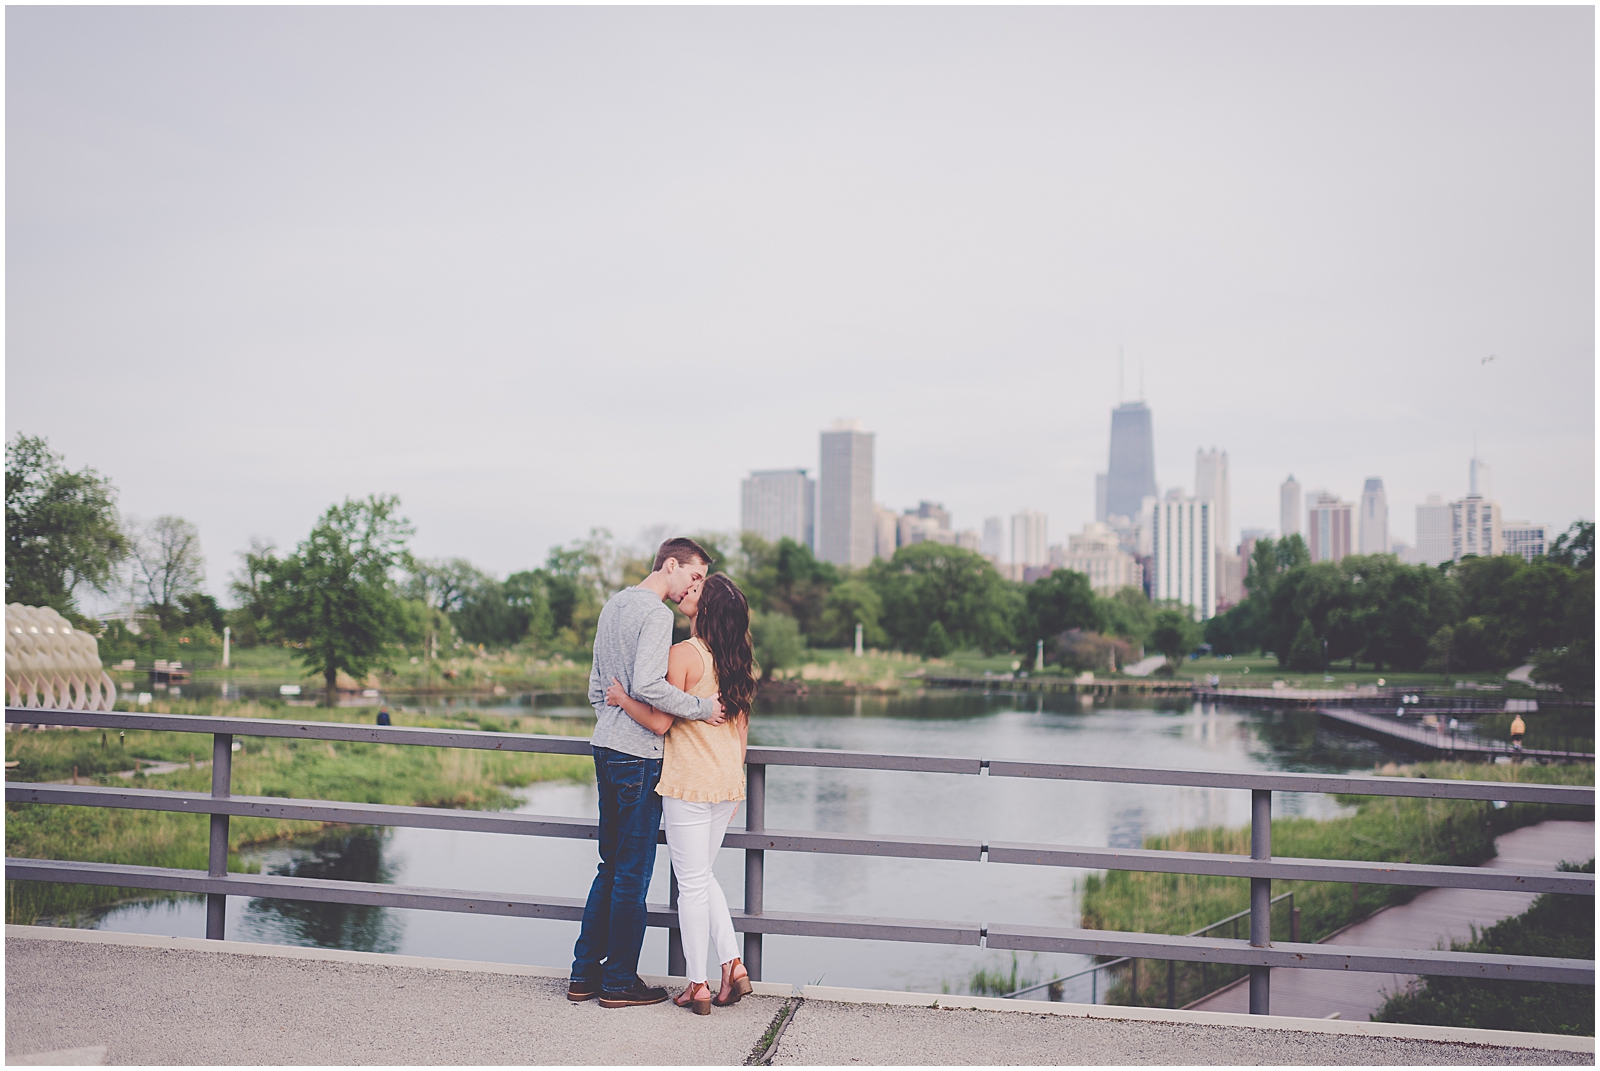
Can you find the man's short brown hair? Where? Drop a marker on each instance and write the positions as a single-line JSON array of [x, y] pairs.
[[683, 550]]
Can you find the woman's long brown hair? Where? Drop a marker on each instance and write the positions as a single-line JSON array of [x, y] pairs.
[[723, 624]]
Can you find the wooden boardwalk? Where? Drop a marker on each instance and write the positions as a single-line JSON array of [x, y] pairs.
[[1438, 741], [1436, 917]]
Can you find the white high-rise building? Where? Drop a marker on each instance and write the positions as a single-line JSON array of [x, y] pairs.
[[846, 521], [1183, 543], [886, 531], [1433, 531], [1289, 508], [1479, 480], [1525, 538], [1374, 518], [1211, 482], [1029, 539], [1474, 527], [780, 503], [1097, 554], [993, 546]]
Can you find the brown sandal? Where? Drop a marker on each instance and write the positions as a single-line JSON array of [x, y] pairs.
[[739, 987], [698, 1005]]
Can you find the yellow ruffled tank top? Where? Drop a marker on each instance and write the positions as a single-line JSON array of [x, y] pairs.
[[703, 763]]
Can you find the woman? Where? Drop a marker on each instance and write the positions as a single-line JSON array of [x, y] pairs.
[[702, 777]]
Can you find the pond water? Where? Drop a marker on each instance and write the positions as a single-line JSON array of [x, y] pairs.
[[1172, 734]]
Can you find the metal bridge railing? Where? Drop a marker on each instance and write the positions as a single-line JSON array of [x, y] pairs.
[[1258, 954]]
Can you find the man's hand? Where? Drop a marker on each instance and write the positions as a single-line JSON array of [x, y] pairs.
[[721, 715]]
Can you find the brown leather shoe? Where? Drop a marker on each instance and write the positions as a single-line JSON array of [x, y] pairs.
[[578, 992], [636, 995]]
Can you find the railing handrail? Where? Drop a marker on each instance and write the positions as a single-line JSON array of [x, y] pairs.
[[1260, 868], [1202, 931], [483, 740]]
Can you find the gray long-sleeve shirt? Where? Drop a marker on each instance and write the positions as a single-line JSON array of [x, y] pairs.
[[631, 643]]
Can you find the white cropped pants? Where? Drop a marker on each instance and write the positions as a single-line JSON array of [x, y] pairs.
[[694, 834]]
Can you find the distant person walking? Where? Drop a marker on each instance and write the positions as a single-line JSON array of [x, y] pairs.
[[383, 715], [702, 778], [1518, 729], [631, 643]]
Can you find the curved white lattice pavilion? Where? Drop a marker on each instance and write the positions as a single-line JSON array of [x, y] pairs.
[[52, 665]]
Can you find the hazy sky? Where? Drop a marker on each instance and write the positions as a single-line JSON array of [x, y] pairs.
[[537, 270]]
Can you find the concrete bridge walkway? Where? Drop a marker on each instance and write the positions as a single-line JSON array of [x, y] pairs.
[[85, 996]]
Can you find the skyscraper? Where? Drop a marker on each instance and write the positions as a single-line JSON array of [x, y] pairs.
[[1131, 475], [780, 503], [1478, 478], [1475, 527], [1329, 531], [846, 520], [1183, 538], [1433, 531], [1211, 482], [1524, 539], [1029, 537], [993, 546], [1374, 518], [1289, 508]]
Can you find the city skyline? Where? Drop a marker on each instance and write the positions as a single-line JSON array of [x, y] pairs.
[[273, 264]]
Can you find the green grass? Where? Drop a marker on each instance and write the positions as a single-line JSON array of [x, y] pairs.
[[1263, 671], [1561, 927], [1459, 833], [369, 773]]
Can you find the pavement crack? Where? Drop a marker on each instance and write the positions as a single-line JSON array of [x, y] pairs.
[[767, 1047]]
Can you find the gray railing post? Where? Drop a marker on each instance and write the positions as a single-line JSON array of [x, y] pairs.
[[221, 788], [755, 821], [1260, 898], [676, 965]]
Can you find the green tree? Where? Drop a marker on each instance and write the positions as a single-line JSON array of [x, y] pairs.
[[167, 564], [777, 641], [1397, 609], [62, 529], [336, 595], [1305, 653], [936, 643], [250, 619], [1059, 602], [960, 589], [1130, 614], [1575, 546], [1175, 634], [850, 603], [785, 577]]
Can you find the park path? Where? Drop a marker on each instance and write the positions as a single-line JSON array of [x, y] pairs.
[[1436, 917]]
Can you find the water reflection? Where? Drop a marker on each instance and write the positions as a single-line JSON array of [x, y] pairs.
[[344, 854]]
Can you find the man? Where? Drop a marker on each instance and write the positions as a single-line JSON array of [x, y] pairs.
[[630, 644]]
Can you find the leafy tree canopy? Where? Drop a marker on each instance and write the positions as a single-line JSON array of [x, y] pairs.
[[62, 529], [337, 594]]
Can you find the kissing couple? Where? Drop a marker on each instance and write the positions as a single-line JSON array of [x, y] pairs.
[[671, 727]]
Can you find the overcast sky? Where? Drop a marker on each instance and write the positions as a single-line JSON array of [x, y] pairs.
[[537, 270]]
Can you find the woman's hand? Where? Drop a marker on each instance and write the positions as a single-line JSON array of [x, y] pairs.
[[616, 693]]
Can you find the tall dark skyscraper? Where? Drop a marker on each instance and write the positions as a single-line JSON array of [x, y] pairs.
[[1131, 476]]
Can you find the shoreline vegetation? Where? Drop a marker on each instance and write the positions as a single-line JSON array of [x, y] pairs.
[[1390, 829], [473, 672], [335, 770]]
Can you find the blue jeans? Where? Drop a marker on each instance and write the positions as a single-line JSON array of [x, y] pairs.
[[613, 919]]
